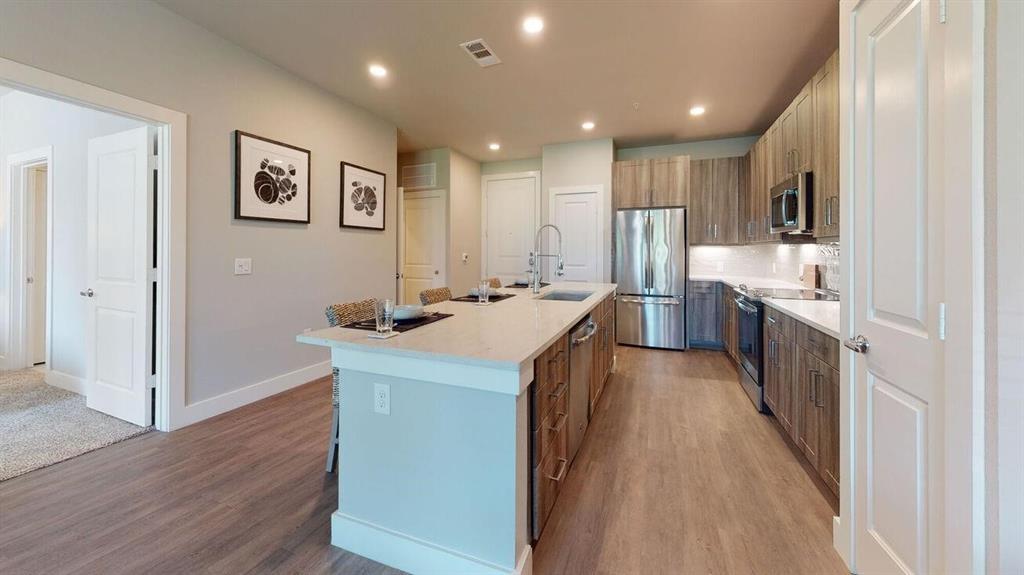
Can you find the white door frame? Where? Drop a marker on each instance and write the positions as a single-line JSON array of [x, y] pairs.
[[964, 382], [400, 248], [15, 198], [172, 145], [488, 178], [602, 247]]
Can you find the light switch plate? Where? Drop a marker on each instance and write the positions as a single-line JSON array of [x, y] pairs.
[[243, 266], [465, 258]]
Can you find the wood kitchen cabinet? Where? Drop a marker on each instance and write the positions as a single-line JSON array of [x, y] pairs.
[[714, 211], [807, 411], [703, 315], [826, 149], [779, 385], [604, 349], [729, 318], [657, 183], [549, 416]]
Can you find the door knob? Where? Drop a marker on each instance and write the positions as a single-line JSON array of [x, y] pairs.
[[858, 344], [30, 280], [86, 293], [435, 272]]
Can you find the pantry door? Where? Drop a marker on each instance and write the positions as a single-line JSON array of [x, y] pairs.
[[898, 264], [119, 289], [425, 241]]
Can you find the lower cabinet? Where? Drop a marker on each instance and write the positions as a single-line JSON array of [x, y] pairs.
[[778, 378], [730, 335], [604, 348], [816, 403]]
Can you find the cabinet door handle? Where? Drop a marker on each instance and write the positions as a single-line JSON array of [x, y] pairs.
[[562, 466], [811, 392], [818, 400], [770, 319], [559, 391], [557, 428]]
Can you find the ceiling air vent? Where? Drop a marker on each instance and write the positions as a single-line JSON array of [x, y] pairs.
[[419, 176], [480, 52]]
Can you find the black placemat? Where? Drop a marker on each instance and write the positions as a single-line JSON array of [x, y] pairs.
[[401, 325], [524, 286], [492, 297]]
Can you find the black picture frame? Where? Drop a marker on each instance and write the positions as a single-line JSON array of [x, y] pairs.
[[345, 196], [239, 135]]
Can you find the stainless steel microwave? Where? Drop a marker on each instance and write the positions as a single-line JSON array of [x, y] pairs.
[[793, 205]]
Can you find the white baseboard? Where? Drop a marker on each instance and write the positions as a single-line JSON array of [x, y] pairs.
[[66, 381], [207, 408], [411, 554]]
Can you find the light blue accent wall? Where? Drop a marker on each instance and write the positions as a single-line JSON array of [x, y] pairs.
[[703, 150], [441, 467]]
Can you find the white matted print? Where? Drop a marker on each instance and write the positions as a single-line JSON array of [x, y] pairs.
[[362, 197], [271, 180]]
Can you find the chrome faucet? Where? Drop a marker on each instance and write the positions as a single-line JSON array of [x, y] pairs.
[[535, 257]]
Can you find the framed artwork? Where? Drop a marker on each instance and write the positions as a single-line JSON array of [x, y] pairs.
[[362, 197], [271, 180]]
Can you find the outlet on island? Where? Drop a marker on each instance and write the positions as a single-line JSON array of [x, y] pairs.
[[382, 398]]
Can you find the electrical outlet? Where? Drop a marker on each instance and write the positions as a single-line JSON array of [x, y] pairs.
[[243, 266], [382, 398]]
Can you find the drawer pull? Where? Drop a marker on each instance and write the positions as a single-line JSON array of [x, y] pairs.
[[770, 319], [562, 467], [559, 391], [561, 423]]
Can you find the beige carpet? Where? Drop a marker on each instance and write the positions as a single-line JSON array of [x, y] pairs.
[[41, 425]]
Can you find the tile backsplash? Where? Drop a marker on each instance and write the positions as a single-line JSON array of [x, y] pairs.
[[776, 261]]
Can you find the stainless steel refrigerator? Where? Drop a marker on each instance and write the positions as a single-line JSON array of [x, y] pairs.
[[651, 271]]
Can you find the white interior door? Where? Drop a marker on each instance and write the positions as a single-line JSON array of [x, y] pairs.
[[425, 237], [510, 221], [577, 213], [898, 257], [37, 234], [119, 243]]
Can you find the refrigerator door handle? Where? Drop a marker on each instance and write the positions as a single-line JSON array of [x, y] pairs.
[[648, 238]]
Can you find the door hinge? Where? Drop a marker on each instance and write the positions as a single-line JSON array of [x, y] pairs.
[[154, 162], [942, 11], [151, 382], [942, 321]]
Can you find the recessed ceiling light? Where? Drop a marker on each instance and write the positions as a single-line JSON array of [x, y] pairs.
[[533, 25], [587, 126], [495, 146], [697, 111], [378, 71]]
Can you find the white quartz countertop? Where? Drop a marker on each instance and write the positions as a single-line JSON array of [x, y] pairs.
[[822, 315], [505, 334]]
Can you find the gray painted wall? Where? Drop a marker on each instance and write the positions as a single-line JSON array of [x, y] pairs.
[[240, 329], [703, 150], [29, 122], [577, 164], [511, 166]]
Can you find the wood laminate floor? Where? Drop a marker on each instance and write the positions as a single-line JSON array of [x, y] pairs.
[[677, 474]]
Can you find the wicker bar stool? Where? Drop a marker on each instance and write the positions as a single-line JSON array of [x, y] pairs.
[[495, 283], [435, 295], [341, 314]]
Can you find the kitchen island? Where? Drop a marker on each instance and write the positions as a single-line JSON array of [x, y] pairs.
[[441, 483]]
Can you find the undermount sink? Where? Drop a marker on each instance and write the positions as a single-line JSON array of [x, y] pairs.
[[566, 295]]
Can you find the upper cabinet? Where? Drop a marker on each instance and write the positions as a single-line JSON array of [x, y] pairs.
[[714, 217], [826, 149], [658, 183], [804, 138]]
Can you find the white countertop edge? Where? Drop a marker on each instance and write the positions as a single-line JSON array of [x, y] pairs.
[[806, 318]]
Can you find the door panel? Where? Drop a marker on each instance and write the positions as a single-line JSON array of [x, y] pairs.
[[631, 249], [119, 236], [898, 239], [575, 214], [667, 252], [425, 230], [511, 224]]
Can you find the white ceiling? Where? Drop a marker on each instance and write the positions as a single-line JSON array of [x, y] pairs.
[[742, 59]]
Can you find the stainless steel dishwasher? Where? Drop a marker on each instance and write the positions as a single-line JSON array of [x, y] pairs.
[[581, 365]]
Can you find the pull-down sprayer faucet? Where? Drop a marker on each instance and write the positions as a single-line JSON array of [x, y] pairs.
[[535, 257]]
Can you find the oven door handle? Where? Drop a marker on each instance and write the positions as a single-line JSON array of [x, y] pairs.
[[745, 306]]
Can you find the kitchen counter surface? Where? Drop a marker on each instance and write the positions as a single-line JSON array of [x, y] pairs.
[[507, 334], [822, 315]]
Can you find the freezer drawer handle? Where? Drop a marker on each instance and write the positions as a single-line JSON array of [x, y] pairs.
[[649, 302]]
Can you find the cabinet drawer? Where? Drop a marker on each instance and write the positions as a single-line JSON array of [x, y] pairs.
[[780, 322], [550, 380], [547, 480], [822, 345], [552, 424]]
